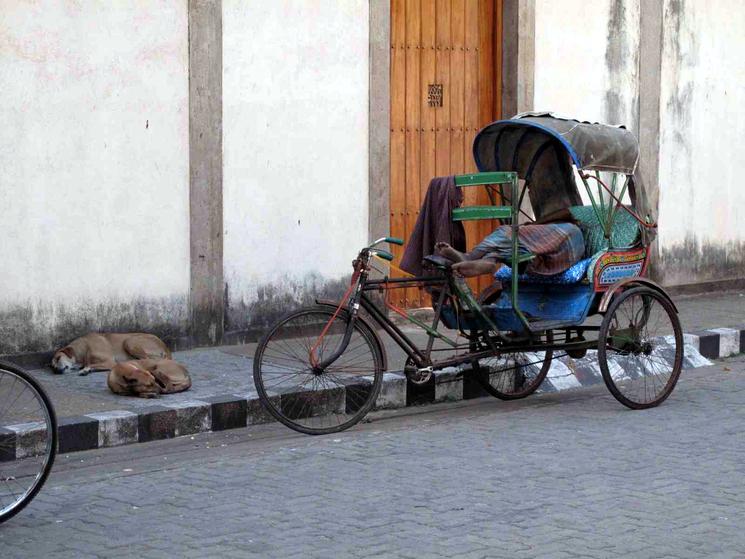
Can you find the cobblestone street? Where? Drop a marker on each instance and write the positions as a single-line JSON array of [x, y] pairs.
[[572, 474]]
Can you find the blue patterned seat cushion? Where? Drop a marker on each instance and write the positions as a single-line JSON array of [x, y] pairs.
[[575, 274]]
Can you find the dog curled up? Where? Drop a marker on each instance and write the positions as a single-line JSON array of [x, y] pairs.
[[148, 378], [100, 352]]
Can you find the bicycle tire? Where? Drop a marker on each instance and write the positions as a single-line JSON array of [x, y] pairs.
[[8, 511], [619, 385], [317, 416]]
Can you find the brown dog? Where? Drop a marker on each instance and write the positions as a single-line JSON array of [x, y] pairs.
[[100, 352], [148, 378]]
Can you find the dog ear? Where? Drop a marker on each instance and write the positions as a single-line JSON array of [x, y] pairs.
[[67, 350]]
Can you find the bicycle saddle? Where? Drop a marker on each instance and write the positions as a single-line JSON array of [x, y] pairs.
[[437, 261]]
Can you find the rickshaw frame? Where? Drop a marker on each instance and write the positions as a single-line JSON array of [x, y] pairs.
[[609, 149]]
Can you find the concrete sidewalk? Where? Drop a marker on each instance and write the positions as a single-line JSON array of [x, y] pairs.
[[223, 395]]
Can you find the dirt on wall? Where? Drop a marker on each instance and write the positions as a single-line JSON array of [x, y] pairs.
[[33, 327]]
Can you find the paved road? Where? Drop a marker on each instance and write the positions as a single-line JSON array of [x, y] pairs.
[[572, 474]]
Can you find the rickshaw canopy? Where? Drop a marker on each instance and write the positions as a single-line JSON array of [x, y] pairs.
[[543, 148]]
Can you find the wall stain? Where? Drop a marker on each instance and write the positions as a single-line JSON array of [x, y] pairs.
[[273, 300], [26, 328], [621, 58], [694, 261], [681, 47]]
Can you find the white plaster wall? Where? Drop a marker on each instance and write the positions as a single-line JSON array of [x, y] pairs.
[[585, 59], [295, 90], [702, 132], [94, 155]]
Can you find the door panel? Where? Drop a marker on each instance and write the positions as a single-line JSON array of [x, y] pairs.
[[455, 45]]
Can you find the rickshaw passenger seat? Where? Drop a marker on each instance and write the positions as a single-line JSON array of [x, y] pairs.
[[625, 231], [624, 234], [574, 274]]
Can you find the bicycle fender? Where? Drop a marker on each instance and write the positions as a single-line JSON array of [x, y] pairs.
[[632, 282]]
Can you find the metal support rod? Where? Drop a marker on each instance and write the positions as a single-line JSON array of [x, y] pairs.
[[614, 210], [598, 214]]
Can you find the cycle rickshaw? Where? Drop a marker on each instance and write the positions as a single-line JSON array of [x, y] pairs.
[[28, 439], [320, 369]]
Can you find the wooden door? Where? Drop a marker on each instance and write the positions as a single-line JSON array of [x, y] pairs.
[[445, 71]]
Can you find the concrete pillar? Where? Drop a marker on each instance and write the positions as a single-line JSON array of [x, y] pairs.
[[650, 66], [518, 56], [380, 117], [206, 302]]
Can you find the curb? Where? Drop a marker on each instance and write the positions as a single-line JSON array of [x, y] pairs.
[[232, 411]]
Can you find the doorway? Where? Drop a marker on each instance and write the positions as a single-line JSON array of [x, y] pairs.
[[445, 86]]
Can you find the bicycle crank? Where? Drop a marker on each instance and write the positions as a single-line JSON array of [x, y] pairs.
[[416, 375]]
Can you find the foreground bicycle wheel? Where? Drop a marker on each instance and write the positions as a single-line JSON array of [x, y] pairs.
[[24, 407], [311, 401], [641, 331]]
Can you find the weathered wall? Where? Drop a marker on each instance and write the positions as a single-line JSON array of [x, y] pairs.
[[586, 59], [94, 159], [587, 65], [295, 122], [702, 233]]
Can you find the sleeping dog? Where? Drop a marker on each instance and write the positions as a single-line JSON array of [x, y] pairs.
[[148, 378], [100, 352]]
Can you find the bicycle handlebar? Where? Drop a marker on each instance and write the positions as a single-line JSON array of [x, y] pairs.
[[384, 254], [391, 240]]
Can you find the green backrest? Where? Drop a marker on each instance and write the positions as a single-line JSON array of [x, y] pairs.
[[624, 232]]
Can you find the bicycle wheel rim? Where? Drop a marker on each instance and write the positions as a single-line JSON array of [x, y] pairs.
[[28, 439], [510, 376], [642, 335], [313, 403]]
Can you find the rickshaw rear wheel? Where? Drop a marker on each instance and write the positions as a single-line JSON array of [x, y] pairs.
[[640, 348], [302, 397], [511, 376]]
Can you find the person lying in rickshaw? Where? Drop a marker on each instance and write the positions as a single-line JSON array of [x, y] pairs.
[[555, 241]]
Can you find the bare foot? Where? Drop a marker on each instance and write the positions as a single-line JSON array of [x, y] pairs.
[[444, 249], [474, 268]]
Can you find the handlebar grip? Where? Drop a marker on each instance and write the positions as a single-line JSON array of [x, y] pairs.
[[395, 241], [385, 255]]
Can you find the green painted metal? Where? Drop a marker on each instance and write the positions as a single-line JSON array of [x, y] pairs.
[[478, 179], [614, 210], [515, 252], [600, 193], [472, 213], [493, 212], [598, 213], [464, 294], [431, 331], [384, 254], [394, 240], [524, 258]]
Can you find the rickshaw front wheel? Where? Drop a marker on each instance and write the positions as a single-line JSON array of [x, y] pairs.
[[296, 392], [640, 348]]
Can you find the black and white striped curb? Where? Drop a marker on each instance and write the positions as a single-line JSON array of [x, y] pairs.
[[114, 428], [718, 342]]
